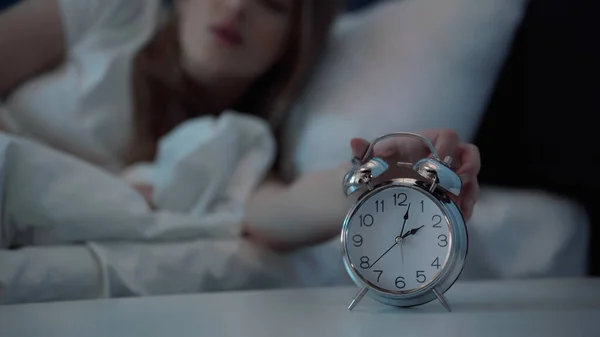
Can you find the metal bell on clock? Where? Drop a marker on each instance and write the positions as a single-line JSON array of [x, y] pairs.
[[361, 175], [441, 173], [433, 169]]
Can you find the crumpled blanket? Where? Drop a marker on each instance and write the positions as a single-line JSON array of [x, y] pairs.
[[204, 171]]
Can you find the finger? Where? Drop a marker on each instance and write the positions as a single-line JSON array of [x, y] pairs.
[[386, 148], [146, 191], [143, 189], [359, 146], [468, 171], [446, 143], [393, 147], [470, 160]]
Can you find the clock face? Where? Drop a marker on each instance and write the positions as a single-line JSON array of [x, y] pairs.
[[398, 240]]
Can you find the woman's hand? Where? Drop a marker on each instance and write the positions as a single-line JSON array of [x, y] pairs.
[[145, 191], [466, 159]]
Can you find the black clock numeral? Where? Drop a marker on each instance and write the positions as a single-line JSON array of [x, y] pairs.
[[366, 220], [443, 240], [364, 262], [379, 206], [378, 276], [436, 263], [422, 206], [400, 284], [421, 277], [438, 220], [358, 240], [400, 199]]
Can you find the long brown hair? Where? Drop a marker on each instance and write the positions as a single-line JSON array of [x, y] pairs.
[[164, 96]]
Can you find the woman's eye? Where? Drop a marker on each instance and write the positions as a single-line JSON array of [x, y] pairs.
[[279, 6]]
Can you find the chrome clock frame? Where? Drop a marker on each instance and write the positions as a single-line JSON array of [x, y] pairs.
[[437, 181]]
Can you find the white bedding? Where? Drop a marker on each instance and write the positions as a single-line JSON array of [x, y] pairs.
[[86, 234]]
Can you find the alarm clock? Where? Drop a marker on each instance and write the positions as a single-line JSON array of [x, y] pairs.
[[404, 241]]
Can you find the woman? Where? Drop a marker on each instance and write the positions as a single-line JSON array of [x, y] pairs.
[[127, 67]]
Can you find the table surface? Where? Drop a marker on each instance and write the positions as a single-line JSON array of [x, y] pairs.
[[510, 308]]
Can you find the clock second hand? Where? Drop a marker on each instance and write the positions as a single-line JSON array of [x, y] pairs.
[[402, 253], [382, 255]]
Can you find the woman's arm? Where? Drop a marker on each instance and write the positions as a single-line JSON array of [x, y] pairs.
[[31, 41], [309, 211]]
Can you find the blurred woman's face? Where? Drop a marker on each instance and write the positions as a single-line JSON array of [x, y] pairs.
[[232, 39]]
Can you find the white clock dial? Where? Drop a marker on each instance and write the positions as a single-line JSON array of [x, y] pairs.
[[393, 258]]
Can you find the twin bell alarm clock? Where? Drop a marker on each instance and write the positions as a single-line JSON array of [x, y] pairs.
[[404, 241]]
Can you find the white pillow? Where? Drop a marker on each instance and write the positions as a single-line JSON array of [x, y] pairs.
[[400, 66]]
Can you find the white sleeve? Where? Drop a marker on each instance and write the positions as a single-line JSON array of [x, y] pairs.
[[82, 17], [109, 270]]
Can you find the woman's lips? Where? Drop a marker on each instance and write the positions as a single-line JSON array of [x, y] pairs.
[[228, 34]]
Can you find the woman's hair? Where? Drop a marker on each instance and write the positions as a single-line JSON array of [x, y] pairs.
[[164, 96]]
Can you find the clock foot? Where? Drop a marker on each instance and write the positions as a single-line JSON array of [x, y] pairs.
[[442, 299], [358, 298]]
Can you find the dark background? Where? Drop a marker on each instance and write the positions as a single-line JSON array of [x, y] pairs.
[[539, 130]]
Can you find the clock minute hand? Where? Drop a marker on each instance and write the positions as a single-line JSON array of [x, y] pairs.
[[405, 219]]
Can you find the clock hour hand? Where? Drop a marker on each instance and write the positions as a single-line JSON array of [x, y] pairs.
[[412, 232], [405, 219]]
